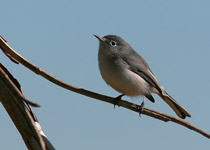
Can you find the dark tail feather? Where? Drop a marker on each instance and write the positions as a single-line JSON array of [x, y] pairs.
[[149, 96], [179, 110]]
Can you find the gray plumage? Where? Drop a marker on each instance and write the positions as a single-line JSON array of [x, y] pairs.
[[128, 73]]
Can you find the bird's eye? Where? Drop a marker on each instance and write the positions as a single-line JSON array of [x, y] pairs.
[[113, 43]]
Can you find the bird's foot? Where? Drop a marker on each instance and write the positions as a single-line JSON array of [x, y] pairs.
[[116, 100], [140, 108]]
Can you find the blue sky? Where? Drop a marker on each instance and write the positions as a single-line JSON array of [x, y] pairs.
[[173, 37]]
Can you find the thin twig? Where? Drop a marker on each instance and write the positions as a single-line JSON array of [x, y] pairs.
[[16, 83], [157, 115]]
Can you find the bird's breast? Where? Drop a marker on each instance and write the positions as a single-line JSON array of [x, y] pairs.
[[116, 73]]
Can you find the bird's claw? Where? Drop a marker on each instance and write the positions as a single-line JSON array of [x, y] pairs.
[[116, 100], [140, 108]]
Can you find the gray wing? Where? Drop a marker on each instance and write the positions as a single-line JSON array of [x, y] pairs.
[[138, 65]]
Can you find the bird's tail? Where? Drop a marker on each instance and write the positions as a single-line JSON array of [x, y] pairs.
[[179, 110]]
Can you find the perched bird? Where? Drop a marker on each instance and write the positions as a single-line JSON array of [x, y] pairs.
[[128, 73]]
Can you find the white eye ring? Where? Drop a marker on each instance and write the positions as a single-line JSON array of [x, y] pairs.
[[113, 43]]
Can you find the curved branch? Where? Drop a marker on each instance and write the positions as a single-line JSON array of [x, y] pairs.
[[11, 99], [23, 117], [157, 115]]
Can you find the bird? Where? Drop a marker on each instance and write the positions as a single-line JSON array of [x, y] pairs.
[[127, 72]]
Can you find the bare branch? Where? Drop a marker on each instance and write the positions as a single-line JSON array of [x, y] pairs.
[[11, 99], [157, 115], [22, 116]]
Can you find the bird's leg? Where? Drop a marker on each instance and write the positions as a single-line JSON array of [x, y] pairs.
[[141, 107], [116, 100]]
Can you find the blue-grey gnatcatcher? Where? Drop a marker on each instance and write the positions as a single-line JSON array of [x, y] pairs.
[[128, 73]]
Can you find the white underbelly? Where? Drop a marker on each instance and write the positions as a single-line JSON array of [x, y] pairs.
[[125, 81]]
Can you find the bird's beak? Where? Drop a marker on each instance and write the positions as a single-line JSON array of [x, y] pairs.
[[99, 38]]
